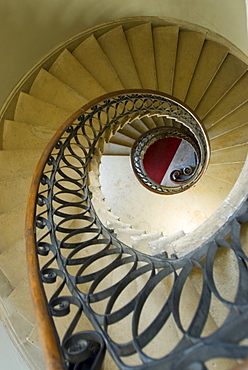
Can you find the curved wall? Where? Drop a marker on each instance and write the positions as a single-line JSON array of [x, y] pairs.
[[31, 28]]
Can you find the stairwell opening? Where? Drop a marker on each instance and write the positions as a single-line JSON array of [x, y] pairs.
[[169, 160]]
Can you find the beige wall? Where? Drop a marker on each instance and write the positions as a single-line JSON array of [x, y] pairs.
[[29, 29]]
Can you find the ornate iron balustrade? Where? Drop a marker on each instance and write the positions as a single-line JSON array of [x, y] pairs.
[[89, 276]]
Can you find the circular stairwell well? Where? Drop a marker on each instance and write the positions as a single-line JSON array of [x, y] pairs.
[[144, 53]]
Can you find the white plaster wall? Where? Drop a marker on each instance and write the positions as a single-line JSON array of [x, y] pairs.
[[29, 29]]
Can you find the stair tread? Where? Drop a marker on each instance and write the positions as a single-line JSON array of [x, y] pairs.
[[208, 201], [49, 88], [15, 323], [229, 155], [229, 72], [165, 48], [69, 70], [39, 113], [234, 120], [130, 131], [14, 271], [15, 217], [121, 139], [168, 121], [116, 149], [211, 57], [159, 122], [14, 192], [90, 54], [139, 125], [236, 136], [186, 61], [234, 98], [33, 137], [23, 306], [140, 42], [115, 46], [225, 172], [149, 122], [218, 187], [18, 163]]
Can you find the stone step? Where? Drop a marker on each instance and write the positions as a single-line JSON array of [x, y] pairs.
[[140, 42], [168, 121], [233, 154], [121, 139], [218, 187], [70, 71], [211, 57], [115, 46], [226, 172], [14, 271], [186, 61], [93, 178], [103, 211], [116, 224], [20, 330], [23, 306], [125, 235], [207, 200], [142, 242], [37, 112], [234, 98], [14, 192], [33, 137], [48, 88], [234, 137], [149, 122], [165, 48], [139, 125], [18, 163], [129, 131], [228, 74], [234, 120], [158, 121], [165, 243], [116, 149], [12, 220], [90, 54]]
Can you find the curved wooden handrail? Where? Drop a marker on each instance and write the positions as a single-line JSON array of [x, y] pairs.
[[49, 341], [48, 337]]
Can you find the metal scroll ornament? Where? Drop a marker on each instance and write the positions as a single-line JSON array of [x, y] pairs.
[[170, 168], [89, 275]]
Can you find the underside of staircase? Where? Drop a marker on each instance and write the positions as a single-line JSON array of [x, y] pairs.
[[204, 72]]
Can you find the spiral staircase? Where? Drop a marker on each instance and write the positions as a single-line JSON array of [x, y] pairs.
[[203, 71]]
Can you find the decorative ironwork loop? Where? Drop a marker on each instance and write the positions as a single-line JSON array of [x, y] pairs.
[[92, 277]]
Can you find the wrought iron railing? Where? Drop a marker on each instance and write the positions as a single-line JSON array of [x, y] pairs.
[[97, 288]]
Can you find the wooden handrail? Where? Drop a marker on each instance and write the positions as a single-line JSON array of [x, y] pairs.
[[48, 337], [53, 357]]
